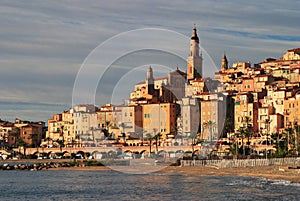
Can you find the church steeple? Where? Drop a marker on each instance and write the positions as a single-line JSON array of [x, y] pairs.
[[194, 62], [224, 63], [150, 81], [194, 35], [149, 73]]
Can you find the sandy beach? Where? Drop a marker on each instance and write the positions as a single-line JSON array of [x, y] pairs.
[[282, 172], [269, 172]]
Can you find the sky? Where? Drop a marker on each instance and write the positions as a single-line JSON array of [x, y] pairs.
[[44, 44]]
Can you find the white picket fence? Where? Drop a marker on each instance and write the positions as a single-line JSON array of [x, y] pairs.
[[241, 162]]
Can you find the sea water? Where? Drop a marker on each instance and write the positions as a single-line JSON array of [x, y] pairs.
[[112, 185]]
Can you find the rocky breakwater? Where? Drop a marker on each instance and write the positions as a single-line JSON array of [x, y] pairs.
[[34, 166]]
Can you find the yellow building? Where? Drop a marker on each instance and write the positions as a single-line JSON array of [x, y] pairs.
[[70, 138], [105, 116], [61, 127], [213, 115], [293, 54], [292, 110], [245, 109], [55, 128], [159, 118]]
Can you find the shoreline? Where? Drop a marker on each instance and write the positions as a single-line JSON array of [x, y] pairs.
[[274, 172]]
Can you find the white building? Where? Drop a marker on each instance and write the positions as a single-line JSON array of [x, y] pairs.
[[86, 124]]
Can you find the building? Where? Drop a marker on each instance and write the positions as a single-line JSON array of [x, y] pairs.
[[55, 128], [86, 124], [8, 134], [164, 89], [190, 116], [245, 111], [194, 60], [213, 115], [292, 111], [159, 118], [31, 133]]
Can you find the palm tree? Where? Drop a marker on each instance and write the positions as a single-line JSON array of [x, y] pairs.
[[107, 124], [106, 129], [275, 137], [242, 134], [210, 125], [149, 137], [157, 140], [20, 142], [16, 134], [296, 141], [48, 139], [194, 136], [122, 125], [228, 126]]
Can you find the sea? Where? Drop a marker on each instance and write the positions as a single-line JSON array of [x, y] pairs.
[[113, 185]]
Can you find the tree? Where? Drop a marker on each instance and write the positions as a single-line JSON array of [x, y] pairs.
[[242, 134], [296, 137], [149, 138], [15, 133], [105, 130], [123, 126], [288, 131], [61, 144], [210, 125], [281, 143], [48, 139], [20, 143], [107, 124], [157, 140], [228, 126], [195, 141]]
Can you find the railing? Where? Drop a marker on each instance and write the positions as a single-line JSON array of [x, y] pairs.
[[241, 162]]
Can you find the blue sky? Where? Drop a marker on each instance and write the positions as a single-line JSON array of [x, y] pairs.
[[44, 43]]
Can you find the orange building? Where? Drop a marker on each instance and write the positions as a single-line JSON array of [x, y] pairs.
[[159, 118], [248, 85], [292, 111]]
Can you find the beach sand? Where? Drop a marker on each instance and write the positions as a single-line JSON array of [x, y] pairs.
[[268, 172]]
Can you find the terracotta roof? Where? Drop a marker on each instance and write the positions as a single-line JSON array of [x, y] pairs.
[[294, 50]]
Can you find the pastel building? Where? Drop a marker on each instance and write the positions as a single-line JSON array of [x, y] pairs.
[[159, 118], [30, 132], [190, 116], [86, 124], [245, 109]]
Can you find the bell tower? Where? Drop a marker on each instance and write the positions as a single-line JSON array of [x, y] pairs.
[[150, 81], [194, 61], [224, 63]]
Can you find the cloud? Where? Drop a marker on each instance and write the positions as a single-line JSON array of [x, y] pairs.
[[43, 43]]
